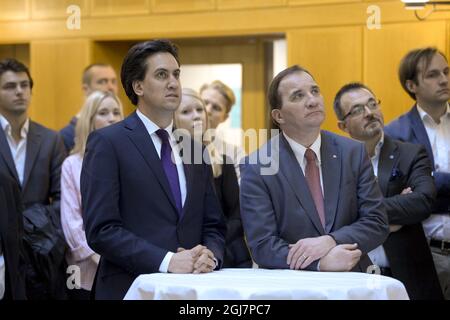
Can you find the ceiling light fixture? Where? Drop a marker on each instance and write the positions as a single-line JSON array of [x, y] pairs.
[[421, 4]]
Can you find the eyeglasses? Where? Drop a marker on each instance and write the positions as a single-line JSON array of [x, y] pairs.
[[359, 109]]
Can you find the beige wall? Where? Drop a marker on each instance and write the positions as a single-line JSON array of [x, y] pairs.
[[329, 37]]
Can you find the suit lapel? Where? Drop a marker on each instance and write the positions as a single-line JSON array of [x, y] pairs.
[[388, 158], [139, 136], [34, 139], [188, 148], [5, 152], [292, 172], [331, 175], [420, 132]]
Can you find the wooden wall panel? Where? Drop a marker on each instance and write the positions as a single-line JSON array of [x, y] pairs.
[[247, 4], [383, 50], [118, 7], [14, 10], [50, 9], [172, 6], [447, 36], [319, 2], [56, 67], [20, 52], [122, 24], [251, 56], [333, 56], [113, 52]]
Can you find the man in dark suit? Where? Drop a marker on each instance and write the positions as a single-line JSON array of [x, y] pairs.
[[143, 212], [96, 76], [12, 280], [424, 74], [32, 155], [404, 176], [309, 199]]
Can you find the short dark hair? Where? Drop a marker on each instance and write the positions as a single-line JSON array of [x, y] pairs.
[[87, 74], [273, 95], [346, 88], [14, 65], [408, 69], [134, 66]]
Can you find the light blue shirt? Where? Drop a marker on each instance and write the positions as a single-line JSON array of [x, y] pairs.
[[152, 128]]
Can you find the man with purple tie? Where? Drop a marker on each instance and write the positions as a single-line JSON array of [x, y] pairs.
[[145, 208]]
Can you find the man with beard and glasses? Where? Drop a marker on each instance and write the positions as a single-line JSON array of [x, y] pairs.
[[404, 176]]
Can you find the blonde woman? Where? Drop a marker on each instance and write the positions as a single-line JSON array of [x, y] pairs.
[[100, 110], [219, 99], [191, 116]]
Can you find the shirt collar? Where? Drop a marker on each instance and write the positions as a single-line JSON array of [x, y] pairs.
[[424, 115], [6, 127], [379, 146], [151, 126], [299, 149]]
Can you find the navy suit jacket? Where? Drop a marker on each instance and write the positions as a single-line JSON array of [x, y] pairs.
[[11, 233], [403, 165], [129, 212], [277, 207], [410, 128], [68, 134]]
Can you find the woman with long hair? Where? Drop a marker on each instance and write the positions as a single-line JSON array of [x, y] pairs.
[[100, 109]]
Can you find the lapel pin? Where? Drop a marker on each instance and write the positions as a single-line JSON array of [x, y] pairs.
[[334, 156], [391, 157]]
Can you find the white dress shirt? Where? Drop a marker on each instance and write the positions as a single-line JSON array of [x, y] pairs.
[[378, 255], [152, 128], [437, 226], [18, 150]]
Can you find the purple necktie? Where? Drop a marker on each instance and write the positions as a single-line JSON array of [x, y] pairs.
[[170, 168], [312, 176]]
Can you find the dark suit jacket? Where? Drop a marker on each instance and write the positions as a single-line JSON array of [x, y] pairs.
[[68, 134], [277, 208], [129, 212], [11, 233], [409, 127], [41, 185], [403, 165], [227, 189]]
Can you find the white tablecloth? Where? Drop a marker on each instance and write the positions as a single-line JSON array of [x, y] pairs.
[[244, 284]]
